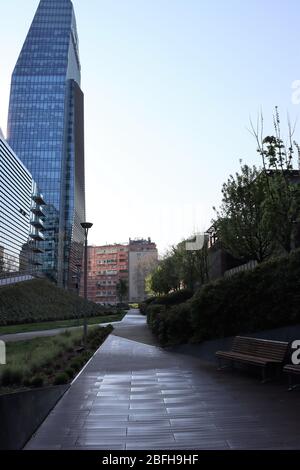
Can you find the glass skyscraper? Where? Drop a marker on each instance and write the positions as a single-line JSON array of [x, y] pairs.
[[46, 130]]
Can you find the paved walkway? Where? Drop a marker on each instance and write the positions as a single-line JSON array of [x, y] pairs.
[[26, 336], [134, 395]]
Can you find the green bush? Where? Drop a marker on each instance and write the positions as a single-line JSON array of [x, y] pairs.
[[34, 363], [171, 326], [144, 305], [154, 315], [61, 379], [267, 297], [264, 298], [39, 301], [174, 298], [70, 372], [11, 376], [36, 381]]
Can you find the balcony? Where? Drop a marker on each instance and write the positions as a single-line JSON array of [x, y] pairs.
[[38, 223], [37, 236], [39, 199], [38, 211], [36, 249], [37, 263]]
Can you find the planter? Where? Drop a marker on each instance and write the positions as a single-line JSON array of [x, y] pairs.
[[23, 412], [206, 350]]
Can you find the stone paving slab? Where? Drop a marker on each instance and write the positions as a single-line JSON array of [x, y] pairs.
[[135, 395]]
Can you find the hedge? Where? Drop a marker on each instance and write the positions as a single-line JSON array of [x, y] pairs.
[[174, 298], [267, 297], [39, 300], [171, 326]]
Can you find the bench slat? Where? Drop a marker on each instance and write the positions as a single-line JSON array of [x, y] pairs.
[[256, 351], [274, 350]]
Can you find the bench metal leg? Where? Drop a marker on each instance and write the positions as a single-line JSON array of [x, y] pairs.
[[291, 383], [221, 366], [292, 386]]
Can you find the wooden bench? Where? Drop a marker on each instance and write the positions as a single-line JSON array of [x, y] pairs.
[[262, 353], [292, 370]]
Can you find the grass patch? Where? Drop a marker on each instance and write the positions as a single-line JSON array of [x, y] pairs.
[[48, 361], [29, 327], [41, 301]]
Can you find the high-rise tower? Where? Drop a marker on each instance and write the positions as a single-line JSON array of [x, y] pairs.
[[46, 130]]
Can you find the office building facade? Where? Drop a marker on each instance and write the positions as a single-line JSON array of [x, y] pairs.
[[21, 217], [46, 130]]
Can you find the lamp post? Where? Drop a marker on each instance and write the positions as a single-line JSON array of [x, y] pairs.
[[78, 274], [78, 282], [86, 227]]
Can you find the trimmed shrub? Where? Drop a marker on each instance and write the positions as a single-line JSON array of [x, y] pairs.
[[61, 379], [174, 298], [171, 326], [267, 297], [39, 301], [70, 372], [75, 364], [144, 305], [36, 381], [11, 376]]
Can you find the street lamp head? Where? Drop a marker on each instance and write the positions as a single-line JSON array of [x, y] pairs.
[[86, 225]]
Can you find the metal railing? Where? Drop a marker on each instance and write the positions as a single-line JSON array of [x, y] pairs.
[[244, 267]]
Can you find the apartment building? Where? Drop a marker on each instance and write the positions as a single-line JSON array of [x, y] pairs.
[[107, 266]]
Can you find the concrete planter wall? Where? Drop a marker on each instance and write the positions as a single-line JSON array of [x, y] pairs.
[[206, 350], [21, 413]]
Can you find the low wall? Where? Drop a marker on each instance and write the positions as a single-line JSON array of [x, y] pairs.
[[206, 350], [21, 413]]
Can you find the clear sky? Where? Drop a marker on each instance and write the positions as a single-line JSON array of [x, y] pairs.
[[169, 87]]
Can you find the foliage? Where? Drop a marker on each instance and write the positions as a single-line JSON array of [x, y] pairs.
[[265, 298], [283, 193], [122, 289], [192, 265], [172, 325], [43, 360], [173, 298], [41, 301], [166, 277], [241, 222], [61, 378], [180, 267]]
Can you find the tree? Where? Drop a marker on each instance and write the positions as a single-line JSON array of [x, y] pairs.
[[192, 265], [241, 223], [283, 194], [145, 265], [122, 289], [165, 278], [180, 268]]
